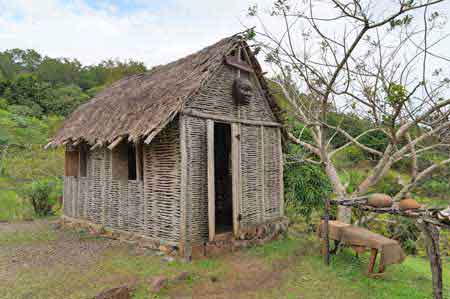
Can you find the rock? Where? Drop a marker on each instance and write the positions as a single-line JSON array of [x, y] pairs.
[[183, 276], [158, 283], [260, 231], [408, 204], [123, 292], [380, 200], [214, 279]]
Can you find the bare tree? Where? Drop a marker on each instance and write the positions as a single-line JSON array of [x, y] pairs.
[[373, 58]]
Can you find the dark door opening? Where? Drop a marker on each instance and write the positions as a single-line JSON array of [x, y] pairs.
[[222, 178]]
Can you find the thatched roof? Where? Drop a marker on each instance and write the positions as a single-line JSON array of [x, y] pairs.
[[139, 106]]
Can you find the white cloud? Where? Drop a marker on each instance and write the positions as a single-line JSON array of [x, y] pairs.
[[155, 34]]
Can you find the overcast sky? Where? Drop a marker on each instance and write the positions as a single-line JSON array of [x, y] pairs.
[[152, 31]]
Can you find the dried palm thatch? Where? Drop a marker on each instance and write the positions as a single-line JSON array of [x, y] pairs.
[[140, 106]]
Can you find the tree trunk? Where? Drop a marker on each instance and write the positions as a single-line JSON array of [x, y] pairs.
[[431, 233]]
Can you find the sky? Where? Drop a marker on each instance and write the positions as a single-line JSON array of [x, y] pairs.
[[152, 31]]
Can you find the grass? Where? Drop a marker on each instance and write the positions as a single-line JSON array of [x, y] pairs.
[[13, 207], [288, 268]]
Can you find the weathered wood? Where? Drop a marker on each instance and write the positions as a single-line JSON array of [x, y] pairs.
[[263, 202], [235, 154], [71, 162], [120, 162], [116, 142], [326, 231], [254, 76], [373, 258], [194, 113], [281, 181], [431, 234], [235, 62], [185, 235], [211, 182], [139, 160]]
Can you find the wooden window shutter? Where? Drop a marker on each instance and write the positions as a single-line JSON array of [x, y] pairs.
[[120, 162], [71, 162], [83, 160]]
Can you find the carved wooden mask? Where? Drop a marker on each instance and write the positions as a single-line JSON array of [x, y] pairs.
[[242, 91]]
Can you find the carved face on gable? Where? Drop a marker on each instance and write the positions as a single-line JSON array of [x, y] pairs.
[[242, 91]]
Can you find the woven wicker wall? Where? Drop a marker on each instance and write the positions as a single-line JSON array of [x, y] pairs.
[[196, 180], [261, 174], [216, 98], [152, 211], [162, 176]]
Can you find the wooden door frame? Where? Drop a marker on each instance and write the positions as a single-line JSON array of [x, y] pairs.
[[235, 173]]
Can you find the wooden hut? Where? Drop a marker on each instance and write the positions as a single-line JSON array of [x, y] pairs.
[[182, 155]]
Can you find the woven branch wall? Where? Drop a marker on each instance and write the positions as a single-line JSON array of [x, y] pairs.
[[150, 208], [261, 175], [196, 181], [216, 98]]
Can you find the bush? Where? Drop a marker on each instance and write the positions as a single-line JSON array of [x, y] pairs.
[[406, 232], [43, 195], [305, 187], [348, 157], [388, 184], [352, 179], [21, 110], [3, 103]]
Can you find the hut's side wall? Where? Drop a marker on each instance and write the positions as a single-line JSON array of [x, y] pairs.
[[150, 208]]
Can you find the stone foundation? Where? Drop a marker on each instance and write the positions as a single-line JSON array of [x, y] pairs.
[[123, 236], [223, 243], [255, 235]]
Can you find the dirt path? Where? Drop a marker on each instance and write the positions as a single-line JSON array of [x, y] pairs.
[[40, 244]]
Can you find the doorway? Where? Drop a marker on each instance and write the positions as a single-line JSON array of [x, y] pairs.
[[223, 178]]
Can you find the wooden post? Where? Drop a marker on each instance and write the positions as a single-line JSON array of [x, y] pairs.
[[211, 187], [326, 231], [186, 205], [431, 233], [373, 258], [236, 174]]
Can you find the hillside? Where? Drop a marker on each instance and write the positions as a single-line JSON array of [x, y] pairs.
[[36, 94]]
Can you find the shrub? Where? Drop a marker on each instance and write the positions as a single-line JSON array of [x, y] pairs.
[[406, 232], [21, 110], [43, 195], [306, 186], [348, 157], [352, 179], [3, 103], [388, 184]]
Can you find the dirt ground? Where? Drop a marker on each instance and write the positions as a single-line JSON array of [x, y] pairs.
[[38, 260], [41, 247]]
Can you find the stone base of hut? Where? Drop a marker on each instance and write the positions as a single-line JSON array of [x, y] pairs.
[[223, 243], [250, 236]]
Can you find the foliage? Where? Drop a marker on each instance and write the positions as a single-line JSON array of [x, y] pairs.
[[348, 157], [3, 103], [389, 184], [351, 178], [22, 110], [306, 186], [55, 85], [406, 232], [43, 195]]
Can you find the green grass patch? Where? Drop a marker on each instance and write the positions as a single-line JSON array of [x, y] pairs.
[[13, 207]]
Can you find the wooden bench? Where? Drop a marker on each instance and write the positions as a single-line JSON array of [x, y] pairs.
[[361, 240]]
